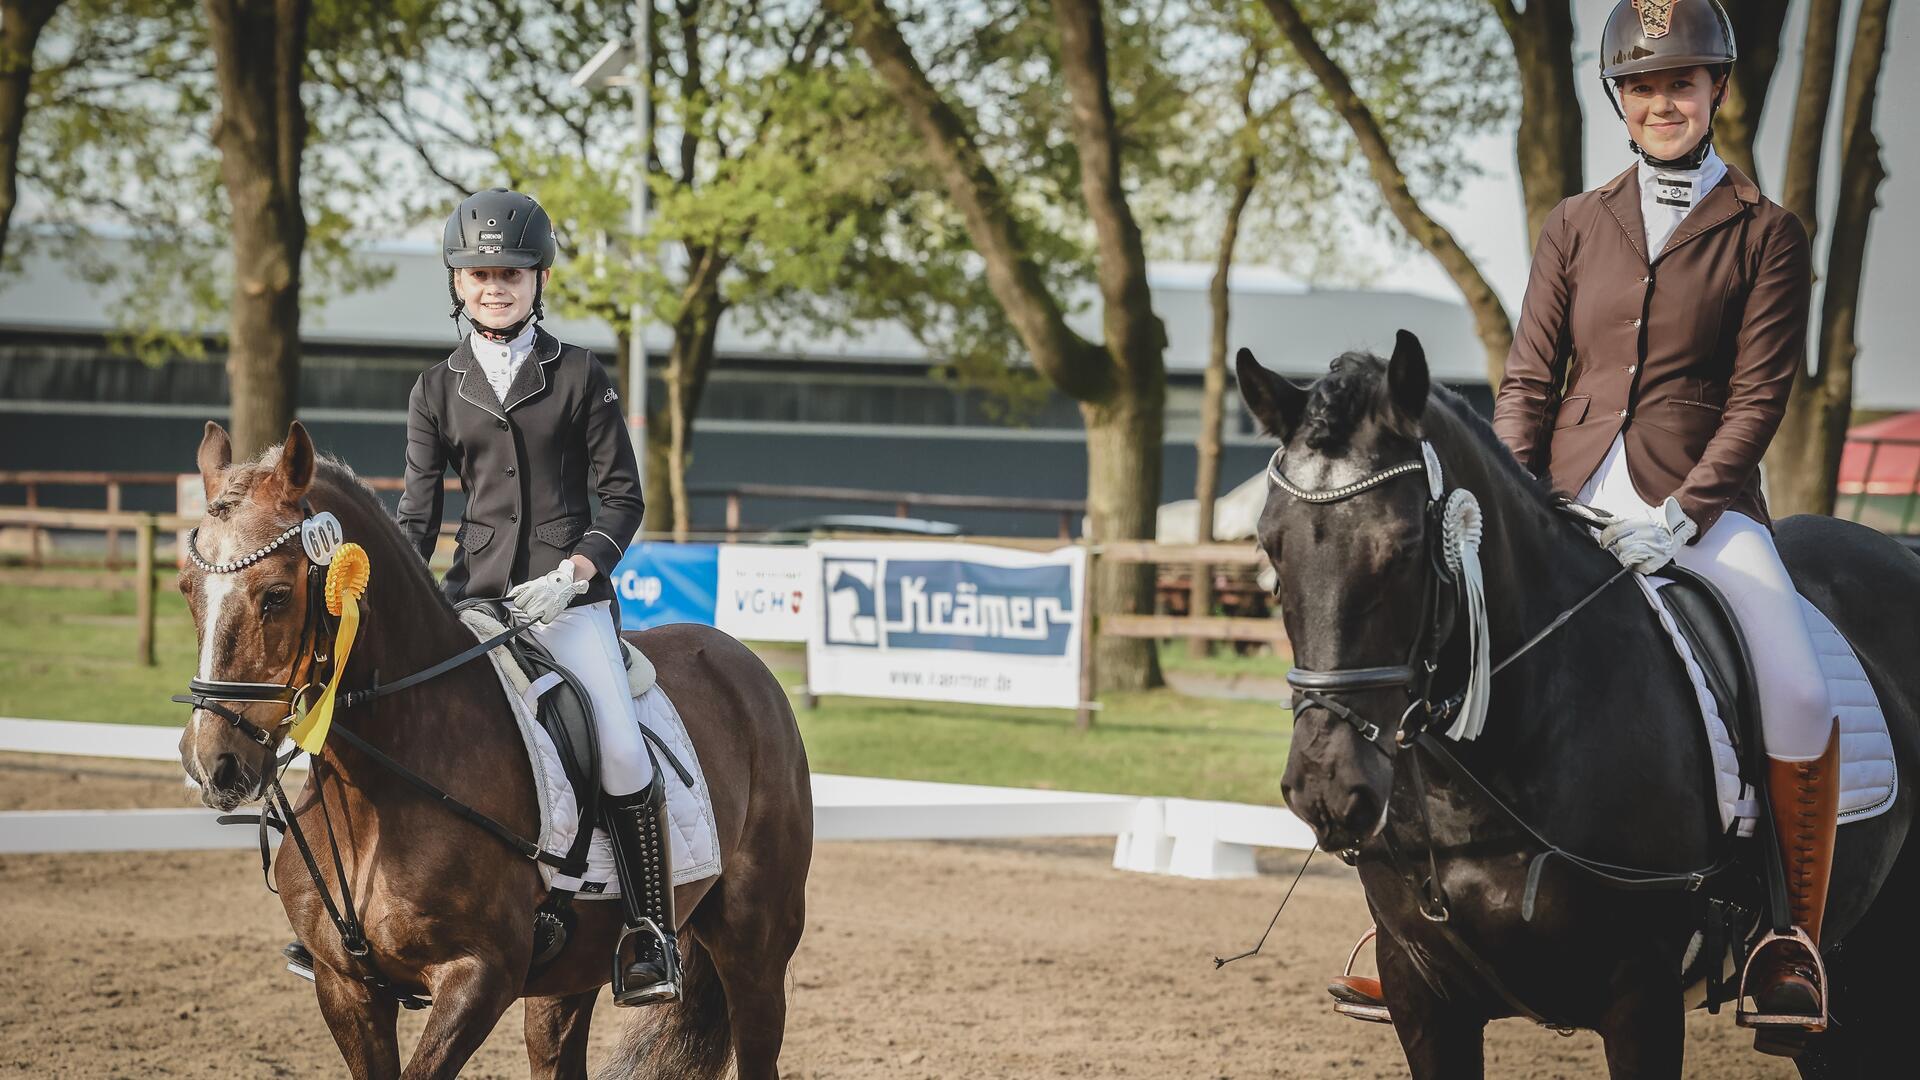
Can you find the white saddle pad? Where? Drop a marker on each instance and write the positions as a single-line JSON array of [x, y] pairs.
[[695, 838], [1868, 776]]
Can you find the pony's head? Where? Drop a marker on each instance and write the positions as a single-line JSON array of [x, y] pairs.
[[250, 586], [1353, 564]]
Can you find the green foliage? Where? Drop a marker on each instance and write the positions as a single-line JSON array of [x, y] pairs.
[[118, 161]]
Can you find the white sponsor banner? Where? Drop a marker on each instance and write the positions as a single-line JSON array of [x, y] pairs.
[[948, 622], [766, 592]]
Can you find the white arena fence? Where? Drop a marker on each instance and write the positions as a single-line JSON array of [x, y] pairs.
[[1185, 837]]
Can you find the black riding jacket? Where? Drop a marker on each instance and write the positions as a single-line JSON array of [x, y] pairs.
[[527, 467]]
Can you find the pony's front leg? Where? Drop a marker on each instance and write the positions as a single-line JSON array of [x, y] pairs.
[[469, 994], [361, 1022], [1440, 1040], [1645, 1030]]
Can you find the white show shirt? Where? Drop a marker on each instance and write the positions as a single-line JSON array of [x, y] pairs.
[[500, 361], [1668, 195]]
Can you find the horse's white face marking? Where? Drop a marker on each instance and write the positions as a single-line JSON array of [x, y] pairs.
[[1317, 472]]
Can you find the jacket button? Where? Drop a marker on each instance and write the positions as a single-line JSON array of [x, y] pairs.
[[1631, 368], [1648, 280], [1635, 324], [1623, 414], [510, 468], [514, 519], [503, 424]]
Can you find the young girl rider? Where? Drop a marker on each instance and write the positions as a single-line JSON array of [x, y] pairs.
[[1664, 321], [534, 427]]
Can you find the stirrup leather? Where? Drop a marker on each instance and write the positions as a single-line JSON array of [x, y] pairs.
[[1810, 1023], [1372, 1014]]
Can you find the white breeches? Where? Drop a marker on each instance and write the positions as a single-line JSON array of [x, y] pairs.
[[583, 640], [1738, 556]]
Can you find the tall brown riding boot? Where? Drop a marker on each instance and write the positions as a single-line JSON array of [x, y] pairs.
[[1785, 975]]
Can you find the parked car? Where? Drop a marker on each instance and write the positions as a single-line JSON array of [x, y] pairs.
[[800, 530]]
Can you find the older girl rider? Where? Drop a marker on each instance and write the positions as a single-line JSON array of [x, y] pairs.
[[1664, 321], [533, 426]]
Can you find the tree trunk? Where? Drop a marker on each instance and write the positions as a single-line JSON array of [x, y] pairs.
[[1801, 192], [1805, 463], [1123, 496], [259, 52], [689, 363], [1551, 152], [20, 24], [1213, 393], [1489, 316], [1756, 27]]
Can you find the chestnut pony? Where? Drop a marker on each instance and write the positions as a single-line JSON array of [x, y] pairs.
[[448, 909]]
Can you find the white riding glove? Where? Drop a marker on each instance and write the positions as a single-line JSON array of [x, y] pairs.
[[1647, 544], [544, 598]]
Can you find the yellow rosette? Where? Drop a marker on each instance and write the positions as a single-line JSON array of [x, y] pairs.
[[347, 578]]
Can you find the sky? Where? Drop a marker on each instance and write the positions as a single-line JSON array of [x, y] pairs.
[[1489, 221]]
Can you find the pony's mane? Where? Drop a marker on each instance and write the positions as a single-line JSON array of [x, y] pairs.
[[340, 480]]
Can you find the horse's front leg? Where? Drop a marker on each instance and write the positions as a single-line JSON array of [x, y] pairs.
[[1645, 1029], [469, 994], [1441, 1040], [361, 1022]]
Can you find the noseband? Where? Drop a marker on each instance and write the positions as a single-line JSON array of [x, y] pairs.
[[1450, 541], [319, 535]]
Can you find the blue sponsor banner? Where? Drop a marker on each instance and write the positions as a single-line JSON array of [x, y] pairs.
[[948, 622], [659, 584]]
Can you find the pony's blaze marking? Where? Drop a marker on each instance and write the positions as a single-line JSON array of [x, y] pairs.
[[215, 589]]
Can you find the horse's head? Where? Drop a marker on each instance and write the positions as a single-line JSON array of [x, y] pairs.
[[1354, 570], [248, 584]]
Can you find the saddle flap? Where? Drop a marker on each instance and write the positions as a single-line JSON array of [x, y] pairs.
[[1718, 646]]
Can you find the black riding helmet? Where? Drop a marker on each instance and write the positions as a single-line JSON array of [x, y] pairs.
[[1659, 35], [498, 227]]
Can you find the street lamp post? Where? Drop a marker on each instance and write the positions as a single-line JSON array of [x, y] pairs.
[[628, 63]]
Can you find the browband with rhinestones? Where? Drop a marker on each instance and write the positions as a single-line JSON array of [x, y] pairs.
[[1346, 491], [244, 561]]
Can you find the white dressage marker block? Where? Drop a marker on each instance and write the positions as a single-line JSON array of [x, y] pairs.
[[1145, 847], [32, 832]]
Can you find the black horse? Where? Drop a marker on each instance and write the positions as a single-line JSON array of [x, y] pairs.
[[1592, 737]]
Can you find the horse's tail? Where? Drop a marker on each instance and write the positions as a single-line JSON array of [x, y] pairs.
[[690, 1039]]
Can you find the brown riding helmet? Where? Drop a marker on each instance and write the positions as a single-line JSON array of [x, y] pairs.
[[1657, 35]]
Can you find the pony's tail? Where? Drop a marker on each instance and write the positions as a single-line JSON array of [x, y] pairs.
[[690, 1039]]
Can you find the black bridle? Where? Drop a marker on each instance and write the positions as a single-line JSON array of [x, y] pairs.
[[213, 695], [1414, 732], [1437, 610]]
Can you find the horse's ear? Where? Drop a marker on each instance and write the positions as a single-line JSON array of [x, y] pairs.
[[294, 470], [1407, 377], [216, 453], [1271, 398]]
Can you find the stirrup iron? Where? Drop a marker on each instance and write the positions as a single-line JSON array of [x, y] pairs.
[[1372, 1014], [1809, 1024]]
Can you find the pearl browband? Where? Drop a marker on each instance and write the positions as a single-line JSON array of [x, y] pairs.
[[244, 561], [1428, 462]]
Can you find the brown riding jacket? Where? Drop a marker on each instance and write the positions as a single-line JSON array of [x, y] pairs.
[[1691, 356]]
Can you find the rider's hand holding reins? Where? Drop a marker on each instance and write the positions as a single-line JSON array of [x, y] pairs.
[[1647, 544], [544, 598]]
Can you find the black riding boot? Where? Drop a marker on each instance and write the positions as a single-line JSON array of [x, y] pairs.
[[646, 962]]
